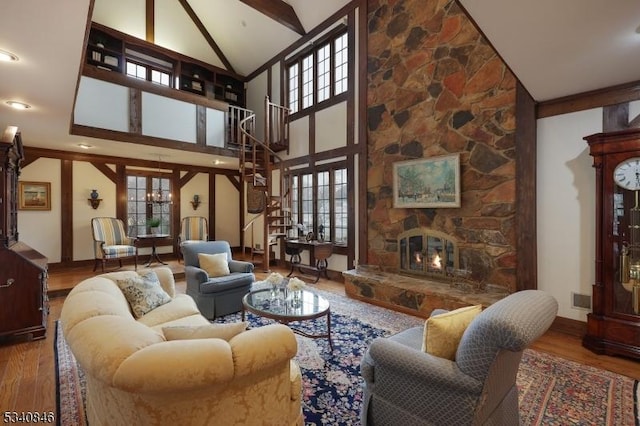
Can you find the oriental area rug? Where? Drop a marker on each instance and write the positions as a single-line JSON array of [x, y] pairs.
[[552, 391]]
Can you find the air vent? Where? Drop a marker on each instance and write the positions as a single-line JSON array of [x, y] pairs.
[[581, 301]]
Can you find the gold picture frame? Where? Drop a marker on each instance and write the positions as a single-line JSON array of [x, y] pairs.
[[34, 195], [427, 182]]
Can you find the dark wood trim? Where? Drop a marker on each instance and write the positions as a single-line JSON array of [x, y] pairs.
[[569, 326], [93, 132], [235, 181], [212, 204], [308, 37], [66, 219], [135, 111], [203, 30], [93, 158], [149, 87], [362, 145], [526, 228], [615, 117], [150, 26], [593, 99], [105, 171], [121, 192], [279, 11], [312, 137], [324, 155], [186, 178]]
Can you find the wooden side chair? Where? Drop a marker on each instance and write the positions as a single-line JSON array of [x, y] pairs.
[[111, 242]]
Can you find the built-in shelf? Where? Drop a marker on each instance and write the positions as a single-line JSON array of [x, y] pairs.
[[95, 202], [111, 50]]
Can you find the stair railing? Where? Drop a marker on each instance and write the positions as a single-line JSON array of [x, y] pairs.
[[269, 160]]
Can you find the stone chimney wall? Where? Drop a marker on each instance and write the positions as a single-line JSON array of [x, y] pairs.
[[436, 87]]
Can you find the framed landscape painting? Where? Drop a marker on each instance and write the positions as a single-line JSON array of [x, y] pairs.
[[34, 195], [427, 182]]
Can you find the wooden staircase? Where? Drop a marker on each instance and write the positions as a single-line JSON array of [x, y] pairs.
[[259, 162]]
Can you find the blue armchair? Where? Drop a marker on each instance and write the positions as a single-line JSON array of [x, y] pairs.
[[216, 296], [406, 386]]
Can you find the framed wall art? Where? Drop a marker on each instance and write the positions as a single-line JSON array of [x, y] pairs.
[[34, 195], [427, 182]]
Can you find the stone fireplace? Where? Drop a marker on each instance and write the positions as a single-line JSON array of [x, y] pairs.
[[428, 276]]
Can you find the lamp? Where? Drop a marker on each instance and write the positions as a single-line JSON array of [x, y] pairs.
[[159, 197]]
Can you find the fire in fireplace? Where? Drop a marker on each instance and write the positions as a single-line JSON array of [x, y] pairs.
[[427, 252]]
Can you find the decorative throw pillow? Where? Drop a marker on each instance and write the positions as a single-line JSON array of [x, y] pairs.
[[143, 292], [218, 331], [442, 333], [216, 265]]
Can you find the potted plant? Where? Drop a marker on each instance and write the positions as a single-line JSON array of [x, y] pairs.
[[153, 223]]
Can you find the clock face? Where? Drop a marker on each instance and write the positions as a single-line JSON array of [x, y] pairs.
[[627, 174]]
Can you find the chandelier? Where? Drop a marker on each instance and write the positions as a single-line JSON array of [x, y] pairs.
[[159, 196]]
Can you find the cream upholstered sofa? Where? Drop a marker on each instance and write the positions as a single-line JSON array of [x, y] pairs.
[[135, 376]]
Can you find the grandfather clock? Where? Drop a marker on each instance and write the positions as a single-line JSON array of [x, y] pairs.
[[613, 326]]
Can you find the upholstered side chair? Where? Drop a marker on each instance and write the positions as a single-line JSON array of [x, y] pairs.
[[193, 229], [406, 386], [220, 294], [110, 241]]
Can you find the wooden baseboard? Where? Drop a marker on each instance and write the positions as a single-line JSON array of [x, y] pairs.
[[569, 326]]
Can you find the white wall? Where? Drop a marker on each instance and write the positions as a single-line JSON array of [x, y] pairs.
[[41, 229], [566, 208], [256, 92], [85, 178], [331, 127], [227, 211], [102, 105]]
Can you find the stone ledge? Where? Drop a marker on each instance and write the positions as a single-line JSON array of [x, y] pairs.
[[415, 296]]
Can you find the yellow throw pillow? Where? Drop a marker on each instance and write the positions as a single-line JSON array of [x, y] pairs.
[[216, 265], [442, 333], [217, 331]]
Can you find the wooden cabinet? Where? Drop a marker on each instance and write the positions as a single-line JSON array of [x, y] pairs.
[[23, 276], [613, 326]]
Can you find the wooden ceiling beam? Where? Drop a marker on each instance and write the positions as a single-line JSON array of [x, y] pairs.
[[187, 8], [279, 11]]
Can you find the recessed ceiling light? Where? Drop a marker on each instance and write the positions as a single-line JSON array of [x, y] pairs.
[[7, 56], [85, 145], [18, 105]]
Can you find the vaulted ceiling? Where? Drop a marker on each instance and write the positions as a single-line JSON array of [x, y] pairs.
[[555, 49]]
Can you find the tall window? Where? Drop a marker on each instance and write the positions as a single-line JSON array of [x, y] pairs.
[[306, 202], [324, 72], [340, 207], [138, 210], [319, 202], [293, 88], [307, 81], [341, 64], [318, 75]]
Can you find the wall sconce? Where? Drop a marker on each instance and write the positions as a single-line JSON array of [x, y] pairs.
[[95, 199], [195, 202]]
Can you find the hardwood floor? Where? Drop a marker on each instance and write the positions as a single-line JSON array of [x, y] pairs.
[[27, 377]]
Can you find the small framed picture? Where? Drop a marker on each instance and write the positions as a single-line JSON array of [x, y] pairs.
[[34, 195], [427, 182]]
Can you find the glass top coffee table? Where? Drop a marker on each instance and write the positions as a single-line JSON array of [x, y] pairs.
[[283, 309]]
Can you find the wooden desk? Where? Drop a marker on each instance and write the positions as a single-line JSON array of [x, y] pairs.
[[154, 254], [319, 252]]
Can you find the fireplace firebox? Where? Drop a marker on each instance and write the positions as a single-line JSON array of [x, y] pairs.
[[427, 252]]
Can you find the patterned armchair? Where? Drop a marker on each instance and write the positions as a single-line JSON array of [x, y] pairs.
[[406, 386], [111, 241], [192, 229]]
